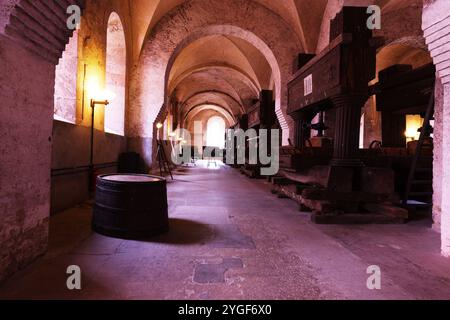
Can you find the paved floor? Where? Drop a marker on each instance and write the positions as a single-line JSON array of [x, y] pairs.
[[231, 238]]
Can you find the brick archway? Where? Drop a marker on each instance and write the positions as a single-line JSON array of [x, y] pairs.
[[436, 26], [193, 20]]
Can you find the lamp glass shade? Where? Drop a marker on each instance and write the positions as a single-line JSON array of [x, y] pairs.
[[97, 93], [93, 88]]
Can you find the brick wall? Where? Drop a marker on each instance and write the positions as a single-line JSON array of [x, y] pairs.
[[436, 26]]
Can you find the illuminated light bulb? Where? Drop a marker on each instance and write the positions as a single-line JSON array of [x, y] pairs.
[[93, 88], [411, 133], [159, 125], [97, 93]]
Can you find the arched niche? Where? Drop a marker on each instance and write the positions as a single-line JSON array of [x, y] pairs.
[[215, 132], [116, 61]]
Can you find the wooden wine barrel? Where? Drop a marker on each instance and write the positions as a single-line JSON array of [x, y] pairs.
[[130, 206]]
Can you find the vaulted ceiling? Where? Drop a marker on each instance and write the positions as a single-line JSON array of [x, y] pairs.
[[219, 70], [228, 72], [223, 70], [303, 16]]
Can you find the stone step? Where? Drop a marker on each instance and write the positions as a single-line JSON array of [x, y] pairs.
[[59, 13], [30, 25], [34, 38], [41, 26], [42, 15], [42, 7]]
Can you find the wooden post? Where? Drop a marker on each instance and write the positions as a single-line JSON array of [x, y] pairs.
[[393, 130], [346, 143]]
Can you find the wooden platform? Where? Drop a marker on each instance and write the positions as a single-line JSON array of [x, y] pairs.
[[340, 208]]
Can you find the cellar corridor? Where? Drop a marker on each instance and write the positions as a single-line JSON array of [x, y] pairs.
[[308, 140], [230, 238]]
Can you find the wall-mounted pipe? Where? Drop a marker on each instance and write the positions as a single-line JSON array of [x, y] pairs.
[[81, 169]]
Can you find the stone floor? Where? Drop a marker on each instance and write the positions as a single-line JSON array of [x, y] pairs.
[[231, 238]]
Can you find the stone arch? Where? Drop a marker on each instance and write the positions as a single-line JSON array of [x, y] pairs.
[[245, 78], [193, 20], [402, 51], [280, 72], [199, 120], [214, 80], [28, 95], [227, 99], [193, 111], [401, 23], [213, 138], [403, 44], [416, 42]]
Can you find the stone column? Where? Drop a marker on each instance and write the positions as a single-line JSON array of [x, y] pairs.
[[436, 26], [348, 117]]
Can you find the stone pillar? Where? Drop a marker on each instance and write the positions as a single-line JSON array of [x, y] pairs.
[[348, 117], [438, 156], [436, 26]]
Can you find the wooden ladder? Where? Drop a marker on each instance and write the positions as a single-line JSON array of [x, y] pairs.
[[413, 179]]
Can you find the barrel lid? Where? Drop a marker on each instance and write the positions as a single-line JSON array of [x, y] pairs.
[[135, 178]]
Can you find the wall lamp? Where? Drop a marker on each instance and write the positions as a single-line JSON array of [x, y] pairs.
[[94, 103], [159, 125], [98, 98], [411, 135], [98, 102]]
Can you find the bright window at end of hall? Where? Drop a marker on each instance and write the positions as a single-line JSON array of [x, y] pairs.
[[116, 60], [361, 131], [65, 102], [216, 132]]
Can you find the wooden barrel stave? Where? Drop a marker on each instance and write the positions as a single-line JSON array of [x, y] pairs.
[[130, 209]]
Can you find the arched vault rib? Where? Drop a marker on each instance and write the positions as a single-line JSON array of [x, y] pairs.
[[214, 79], [280, 78], [222, 66], [288, 10], [194, 111], [205, 81], [206, 97], [220, 50]]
